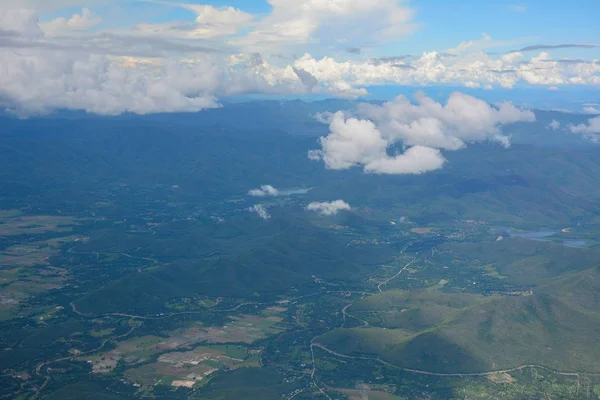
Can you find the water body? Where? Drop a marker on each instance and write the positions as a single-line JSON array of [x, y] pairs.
[[532, 235], [541, 236], [574, 243]]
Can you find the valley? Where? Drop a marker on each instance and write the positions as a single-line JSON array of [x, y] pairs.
[[161, 281]]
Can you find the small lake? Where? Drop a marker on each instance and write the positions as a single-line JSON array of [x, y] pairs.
[[532, 235], [540, 236], [574, 243]]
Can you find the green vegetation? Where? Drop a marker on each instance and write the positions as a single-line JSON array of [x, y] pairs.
[[131, 268], [454, 333], [270, 262]]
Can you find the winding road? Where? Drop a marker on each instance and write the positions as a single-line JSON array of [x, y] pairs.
[[456, 374], [395, 276]]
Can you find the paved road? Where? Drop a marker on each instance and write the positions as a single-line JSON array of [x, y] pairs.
[[457, 374], [395, 276]]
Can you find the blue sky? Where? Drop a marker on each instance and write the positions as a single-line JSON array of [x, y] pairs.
[[442, 24], [155, 55]]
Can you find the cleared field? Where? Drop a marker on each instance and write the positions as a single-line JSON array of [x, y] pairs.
[[12, 222], [241, 329], [421, 231], [362, 394], [190, 367], [25, 271]]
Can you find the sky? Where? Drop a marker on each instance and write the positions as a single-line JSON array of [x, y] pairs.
[[114, 56]]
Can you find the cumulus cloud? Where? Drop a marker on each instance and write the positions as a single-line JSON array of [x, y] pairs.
[[189, 65], [78, 22], [23, 23], [329, 208], [471, 67], [423, 129], [463, 119], [294, 22], [42, 73], [415, 160], [351, 142], [590, 131], [38, 82], [554, 125], [263, 191], [261, 211], [355, 142], [211, 22]]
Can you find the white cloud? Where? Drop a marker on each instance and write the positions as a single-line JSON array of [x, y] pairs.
[[23, 23], [415, 160], [329, 208], [294, 22], [77, 22], [166, 68], [463, 119], [593, 126], [51, 5], [422, 128], [211, 22], [91, 73], [591, 110], [467, 68], [554, 125], [354, 142], [486, 42], [590, 131], [324, 117], [261, 211], [41, 81], [264, 190], [351, 142]]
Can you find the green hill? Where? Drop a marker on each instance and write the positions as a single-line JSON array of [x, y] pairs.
[[523, 261], [269, 257], [556, 327]]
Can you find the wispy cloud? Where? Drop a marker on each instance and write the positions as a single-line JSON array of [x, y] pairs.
[[211, 22], [261, 211], [538, 47], [517, 8], [554, 125]]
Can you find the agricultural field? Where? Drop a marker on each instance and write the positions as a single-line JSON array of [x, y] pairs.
[[14, 223], [26, 269], [192, 367]]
